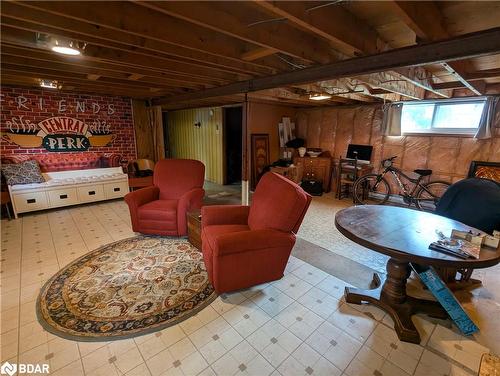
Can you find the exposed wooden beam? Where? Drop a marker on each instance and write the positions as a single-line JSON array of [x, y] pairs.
[[426, 20], [106, 68], [421, 77], [93, 77], [341, 28], [257, 53], [135, 76], [58, 75], [392, 82], [92, 73], [466, 46], [14, 78], [31, 18], [448, 85], [487, 73], [129, 57], [147, 23], [477, 88], [476, 76], [226, 19], [493, 89], [336, 24]]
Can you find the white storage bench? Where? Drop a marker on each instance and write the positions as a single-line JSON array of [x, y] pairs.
[[65, 188]]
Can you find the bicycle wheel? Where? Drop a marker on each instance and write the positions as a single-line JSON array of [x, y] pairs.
[[428, 196], [371, 189]]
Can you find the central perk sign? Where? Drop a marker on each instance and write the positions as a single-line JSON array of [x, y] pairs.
[[63, 134]]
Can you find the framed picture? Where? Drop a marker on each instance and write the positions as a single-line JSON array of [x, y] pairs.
[[260, 156], [484, 170]]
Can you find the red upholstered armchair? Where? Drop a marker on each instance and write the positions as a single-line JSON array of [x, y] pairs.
[[244, 246], [161, 209]]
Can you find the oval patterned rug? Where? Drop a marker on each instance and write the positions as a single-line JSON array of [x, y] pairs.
[[125, 289]]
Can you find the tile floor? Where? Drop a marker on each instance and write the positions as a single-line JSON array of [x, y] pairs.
[[298, 325]]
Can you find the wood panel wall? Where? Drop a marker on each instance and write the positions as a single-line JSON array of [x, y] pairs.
[[143, 134], [448, 156], [264, 118], [204, 143]]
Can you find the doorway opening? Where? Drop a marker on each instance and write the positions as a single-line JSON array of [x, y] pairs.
[[233, 123]]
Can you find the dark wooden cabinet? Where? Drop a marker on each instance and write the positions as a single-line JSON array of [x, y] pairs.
[[318, 168], [194, 228]]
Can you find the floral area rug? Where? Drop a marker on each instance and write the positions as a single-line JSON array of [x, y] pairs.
[[126, 289]]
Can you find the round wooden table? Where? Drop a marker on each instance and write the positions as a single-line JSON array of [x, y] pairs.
[[404, 235]]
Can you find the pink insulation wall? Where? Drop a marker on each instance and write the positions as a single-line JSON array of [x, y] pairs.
[[449, 157]]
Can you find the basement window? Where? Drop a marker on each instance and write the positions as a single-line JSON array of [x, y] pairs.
[[442, 117]]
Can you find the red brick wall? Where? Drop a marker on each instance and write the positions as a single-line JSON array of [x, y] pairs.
[[23, 103]]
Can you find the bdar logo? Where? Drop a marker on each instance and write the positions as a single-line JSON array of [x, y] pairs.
[[8, 369]]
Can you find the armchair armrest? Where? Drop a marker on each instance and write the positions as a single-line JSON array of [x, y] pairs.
[[247, 241], [189, 201], [224, 215], [138, 198], [142, 196]]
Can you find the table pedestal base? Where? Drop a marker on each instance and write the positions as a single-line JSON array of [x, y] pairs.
[[390, 296]]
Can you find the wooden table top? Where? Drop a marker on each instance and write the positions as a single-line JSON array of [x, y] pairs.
[[406, 234]]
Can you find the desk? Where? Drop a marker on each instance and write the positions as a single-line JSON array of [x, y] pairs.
[[404, 235]]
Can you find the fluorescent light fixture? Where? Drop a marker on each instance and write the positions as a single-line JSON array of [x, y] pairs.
[[49, 84], [319, 96], [66, 50]]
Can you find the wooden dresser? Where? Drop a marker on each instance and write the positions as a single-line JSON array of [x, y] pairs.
[[318, 168]]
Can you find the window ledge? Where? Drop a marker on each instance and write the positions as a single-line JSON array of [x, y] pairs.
[[433, 134]]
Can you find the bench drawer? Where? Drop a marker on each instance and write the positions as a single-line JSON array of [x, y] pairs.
[[115, 190], [63, 197], [91, 193], [26, 202]]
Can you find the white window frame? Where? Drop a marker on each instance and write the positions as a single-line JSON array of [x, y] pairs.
[[443, 131]]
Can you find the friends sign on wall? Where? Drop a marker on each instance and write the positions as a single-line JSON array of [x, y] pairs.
[[56, 122]]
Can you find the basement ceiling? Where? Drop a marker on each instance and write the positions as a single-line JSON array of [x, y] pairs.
[[164, 50]]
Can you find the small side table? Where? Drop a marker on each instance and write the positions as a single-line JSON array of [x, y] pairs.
[[134, 183], [194, 228]]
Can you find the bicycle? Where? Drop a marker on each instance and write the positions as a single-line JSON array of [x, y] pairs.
[[375, 189]]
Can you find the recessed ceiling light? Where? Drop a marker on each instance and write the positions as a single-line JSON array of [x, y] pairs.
[[319, 96], [50, 84], [64, 46], [66, 50]]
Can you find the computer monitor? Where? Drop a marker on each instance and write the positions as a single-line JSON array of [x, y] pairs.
[[364, 152]]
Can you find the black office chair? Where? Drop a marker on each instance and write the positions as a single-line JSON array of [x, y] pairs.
[[475, 202]]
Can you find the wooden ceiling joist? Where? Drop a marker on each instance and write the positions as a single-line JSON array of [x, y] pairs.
[[27, 61], [425, 19], [257, 53], [336, 25], [226, 19], [14, 78], [133, 19], [133, 57], [65, 76], [465, 46], [112, 68], [29, 15]]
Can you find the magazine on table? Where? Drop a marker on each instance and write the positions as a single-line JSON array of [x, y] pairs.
[[457, 247]]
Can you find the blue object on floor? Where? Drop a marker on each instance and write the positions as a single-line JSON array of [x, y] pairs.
[[446, 298]]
